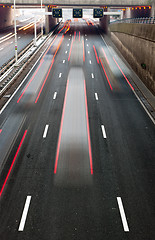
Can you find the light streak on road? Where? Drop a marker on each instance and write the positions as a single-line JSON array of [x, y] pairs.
[[14, 159], [106, 75]]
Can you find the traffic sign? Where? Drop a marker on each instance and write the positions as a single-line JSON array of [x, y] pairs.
[[98, 12], [57, 12], [77, 12]]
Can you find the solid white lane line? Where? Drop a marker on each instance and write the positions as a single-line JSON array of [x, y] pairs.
[[24, 215], [55, 95], [122, 213], [144, 107], [96, 96], [45, 131], [66, 52], [3, 108], [92, 75], [60, 74], [88, 52], [90, 61], [103, 131], [63, 61]]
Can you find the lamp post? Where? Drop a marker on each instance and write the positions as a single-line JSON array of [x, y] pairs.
[[35, 32], [35, 23], [15, 30], [41, 18]]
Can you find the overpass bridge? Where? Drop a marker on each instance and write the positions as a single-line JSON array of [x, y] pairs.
[[83, 3], [7, 15]]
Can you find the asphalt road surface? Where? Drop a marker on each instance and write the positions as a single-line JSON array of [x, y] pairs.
[[77, 147]]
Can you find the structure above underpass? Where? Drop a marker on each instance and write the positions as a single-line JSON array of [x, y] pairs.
[[84, 3]]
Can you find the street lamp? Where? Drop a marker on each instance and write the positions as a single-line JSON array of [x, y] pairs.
[[41, 18], [15, 31], [35, 31], [35, 23]]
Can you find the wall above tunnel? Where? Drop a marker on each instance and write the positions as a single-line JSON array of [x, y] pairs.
[[137, 44], [50, 22], [6, 17], [137, 12]]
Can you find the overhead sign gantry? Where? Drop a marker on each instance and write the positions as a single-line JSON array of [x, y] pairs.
[[57, 12], [77, 12], [98, 12]]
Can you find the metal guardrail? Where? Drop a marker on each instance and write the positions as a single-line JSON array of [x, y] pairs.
[[10, 62], [149, 20], [26, 56]]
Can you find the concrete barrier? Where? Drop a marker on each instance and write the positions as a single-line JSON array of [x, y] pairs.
[[137, 44]]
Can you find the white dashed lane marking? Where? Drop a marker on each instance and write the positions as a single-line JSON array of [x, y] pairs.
[[96, 96], [45, 131], [92, 75], [24, 215], [103, 131], [122, 213], [55, 95]]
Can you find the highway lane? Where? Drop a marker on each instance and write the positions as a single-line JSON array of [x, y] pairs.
[[133, 157], [122, 147], [7, 41]]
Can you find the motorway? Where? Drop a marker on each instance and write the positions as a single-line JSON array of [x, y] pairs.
[[25, 34], [77, 147]]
